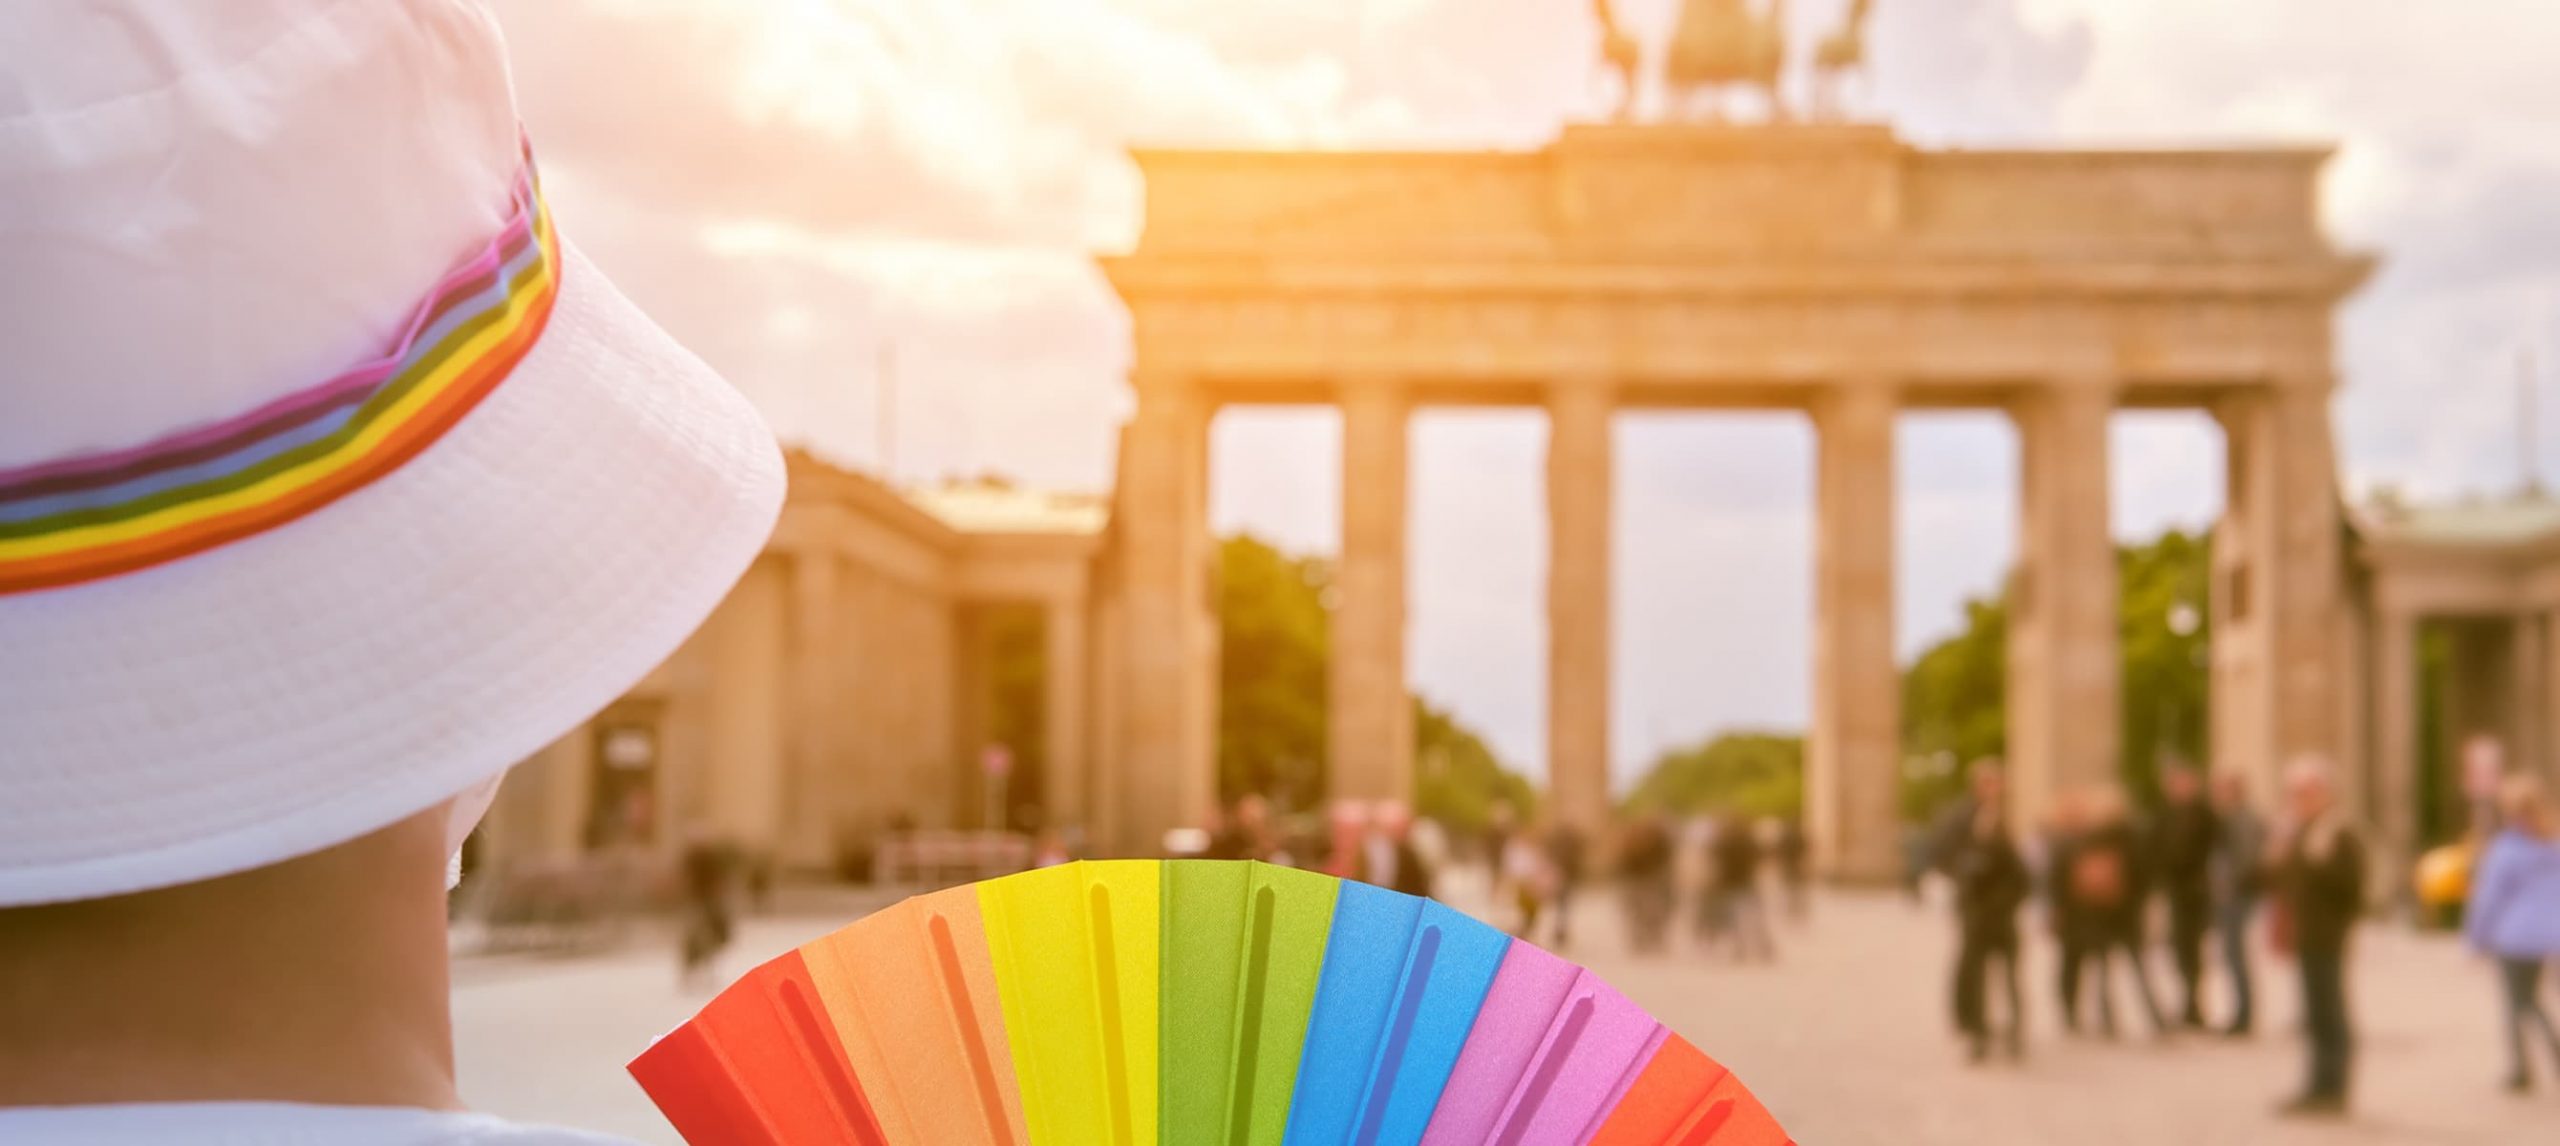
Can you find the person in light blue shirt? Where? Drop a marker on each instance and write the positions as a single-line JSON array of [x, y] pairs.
[[2514, 918]]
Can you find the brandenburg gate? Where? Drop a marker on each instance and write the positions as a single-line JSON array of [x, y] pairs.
[[1832, 269]]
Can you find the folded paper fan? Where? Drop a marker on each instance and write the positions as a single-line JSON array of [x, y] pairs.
[[1132, 1002]]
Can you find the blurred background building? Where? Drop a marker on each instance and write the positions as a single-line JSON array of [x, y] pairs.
[[977, 655]]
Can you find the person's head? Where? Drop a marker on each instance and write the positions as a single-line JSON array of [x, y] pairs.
[[1391, 818], [2309, 790], [401, 489], [2230, 791], [1988, 779], [1253, 813], [2180, 783], [2524, 806], [1350, 819]]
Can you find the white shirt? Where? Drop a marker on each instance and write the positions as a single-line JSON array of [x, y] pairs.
[[273, 1124]]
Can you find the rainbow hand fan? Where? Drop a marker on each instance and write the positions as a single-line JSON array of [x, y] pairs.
[[1130, 1002]]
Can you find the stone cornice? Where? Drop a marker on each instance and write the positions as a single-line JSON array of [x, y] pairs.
[[1915, 276], [1661, 193]]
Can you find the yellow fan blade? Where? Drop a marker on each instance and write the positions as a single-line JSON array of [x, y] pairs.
[[1075, 952]]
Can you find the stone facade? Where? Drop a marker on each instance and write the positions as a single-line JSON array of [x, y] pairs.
[[1829, 269], [842, 684], [2453, 608]]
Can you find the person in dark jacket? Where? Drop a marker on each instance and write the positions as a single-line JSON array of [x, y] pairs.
[[1387, 856], [2239, 879], [2065, 827], [2108, 884], [2320, 875], [2184, 838], [1644, 867], [1793, 853], [1245, 833], [708, 866], [1733, 878], [1991, 883], [1564, 862]]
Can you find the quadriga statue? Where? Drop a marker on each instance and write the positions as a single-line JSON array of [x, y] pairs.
[[1719, 44]]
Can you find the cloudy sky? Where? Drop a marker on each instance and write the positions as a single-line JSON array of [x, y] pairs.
[[794, 185]]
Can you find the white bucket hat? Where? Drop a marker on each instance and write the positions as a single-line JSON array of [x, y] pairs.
[[332, 482]]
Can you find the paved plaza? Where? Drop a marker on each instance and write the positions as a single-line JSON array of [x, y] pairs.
[[1844, 1038]]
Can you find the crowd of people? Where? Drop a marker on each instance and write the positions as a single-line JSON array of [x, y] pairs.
[[1729, 866], [2210, 865]]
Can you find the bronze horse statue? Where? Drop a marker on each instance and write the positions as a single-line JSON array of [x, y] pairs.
[[1839, 56], [1721, 43], [1622, 54]]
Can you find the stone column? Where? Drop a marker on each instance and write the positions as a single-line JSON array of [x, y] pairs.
[[2277, 582], [2064, 708], [816, 691], [747, 759], [1581, 461], [1064, 696], [1853, 761], [2547, 763], [1168, 768], [2395, 733], [972, 709], [1105, 759], [854, 795], [2526, 717], [1371, 725]]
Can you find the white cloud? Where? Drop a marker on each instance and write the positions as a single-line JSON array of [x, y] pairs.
[[790, 183]]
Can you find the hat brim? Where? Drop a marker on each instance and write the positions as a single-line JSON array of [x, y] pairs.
[[309, 685]]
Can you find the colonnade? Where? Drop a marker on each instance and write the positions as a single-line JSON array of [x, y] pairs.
[[2275, 688]]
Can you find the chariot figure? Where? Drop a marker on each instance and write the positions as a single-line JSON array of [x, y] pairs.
[[1719, 44], [1839, 58], [1622, 54]]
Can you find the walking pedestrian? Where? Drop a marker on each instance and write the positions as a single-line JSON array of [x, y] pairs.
[[1387, 856], [1500, 823], [1735, 875], [1991, 884], [1530, 876], [2239, 879], [1709, 921], [1244, 832], [2514, 918], [2065, 830], [2320, 873], [1644, 869], [2108, 884], [1792, 851], [1565, 847], [2184, 839], [708, 866]]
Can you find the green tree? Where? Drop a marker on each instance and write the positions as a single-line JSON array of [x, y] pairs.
[[1954, 694], [1457, 778], [1753, 773], [1271, 672], [1954, 707], [2164, 626], [1272, 699], [1017, 704]]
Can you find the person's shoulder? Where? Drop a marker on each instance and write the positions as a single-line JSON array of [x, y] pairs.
[[493, 1132], [275, 1124]]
